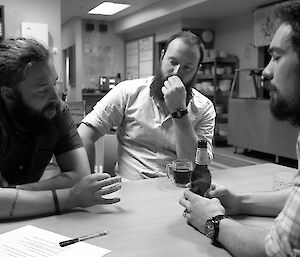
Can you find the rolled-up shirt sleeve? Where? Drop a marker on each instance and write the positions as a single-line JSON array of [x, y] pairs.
[[108, 112], [203, 115]]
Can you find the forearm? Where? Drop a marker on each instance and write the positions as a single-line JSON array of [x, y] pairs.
[[186, 138], [62, 180], [264, 203], [241, 240], [16, 203]]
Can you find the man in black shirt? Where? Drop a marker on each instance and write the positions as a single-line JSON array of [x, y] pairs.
[[34, 125]]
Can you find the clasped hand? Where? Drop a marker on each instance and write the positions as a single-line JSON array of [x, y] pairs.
[[91, 189], [216, 201], [174, 94]]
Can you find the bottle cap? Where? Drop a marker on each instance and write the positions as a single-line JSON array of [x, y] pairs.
[[202, 144]]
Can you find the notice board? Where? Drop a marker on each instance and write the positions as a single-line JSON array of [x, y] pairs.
[[139, 55]]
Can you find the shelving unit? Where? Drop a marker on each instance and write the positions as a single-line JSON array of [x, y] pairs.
[[1, 22], [210, 82]]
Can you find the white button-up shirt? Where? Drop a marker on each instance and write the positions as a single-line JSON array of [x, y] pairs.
[[145, 134]]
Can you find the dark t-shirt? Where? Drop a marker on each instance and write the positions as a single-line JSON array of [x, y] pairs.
[[24, 157]]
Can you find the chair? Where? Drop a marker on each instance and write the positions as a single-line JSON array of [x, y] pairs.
[[106, 154], [77, 110], [110, 157]]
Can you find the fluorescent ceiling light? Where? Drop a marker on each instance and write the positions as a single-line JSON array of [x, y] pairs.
[[108, 8]]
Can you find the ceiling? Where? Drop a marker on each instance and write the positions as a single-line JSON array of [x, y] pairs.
[[149, 12]]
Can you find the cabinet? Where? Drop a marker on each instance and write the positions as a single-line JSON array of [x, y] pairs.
[[1, 22], [253, 127], [214, 80], [91, 99]]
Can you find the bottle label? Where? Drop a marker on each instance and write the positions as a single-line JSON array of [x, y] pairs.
[[201, 157]]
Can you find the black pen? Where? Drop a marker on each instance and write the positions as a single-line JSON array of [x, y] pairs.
[[83, 238]]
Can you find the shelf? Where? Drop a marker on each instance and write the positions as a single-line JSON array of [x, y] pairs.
[[222, 117], [218, 139], [223, 94], [220, 60], [207, 93], [218, 97], [223, 76]]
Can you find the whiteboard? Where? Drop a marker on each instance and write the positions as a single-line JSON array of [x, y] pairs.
[[139, 57]]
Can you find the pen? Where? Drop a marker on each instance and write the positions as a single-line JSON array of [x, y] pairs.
[[83, 238]]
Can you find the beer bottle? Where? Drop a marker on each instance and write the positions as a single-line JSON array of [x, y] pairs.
[[201, 177]]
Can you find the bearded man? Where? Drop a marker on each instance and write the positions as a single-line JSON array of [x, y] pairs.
[[34, 126], [158, 119], [208, 215]]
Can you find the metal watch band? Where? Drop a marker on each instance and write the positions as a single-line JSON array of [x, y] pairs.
[[180, 113], [216, 222]]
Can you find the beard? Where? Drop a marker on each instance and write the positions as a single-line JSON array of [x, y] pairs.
[[33, 121], [158, 83], [285, 109]]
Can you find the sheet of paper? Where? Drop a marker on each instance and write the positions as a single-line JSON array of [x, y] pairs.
[[30, 241]]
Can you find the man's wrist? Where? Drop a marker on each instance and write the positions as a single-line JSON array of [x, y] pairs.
[[212, 226], [70, 199], [179, 113], [244, 202]]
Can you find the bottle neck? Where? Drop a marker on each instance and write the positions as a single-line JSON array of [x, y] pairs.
[[201, 156]]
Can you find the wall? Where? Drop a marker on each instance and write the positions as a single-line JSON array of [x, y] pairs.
[[102, 52], [162, 32], [72, 35], [97, 54], [35, 11], [235, 35]]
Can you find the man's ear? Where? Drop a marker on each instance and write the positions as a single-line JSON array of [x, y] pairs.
[[7, 94], [162, 53]]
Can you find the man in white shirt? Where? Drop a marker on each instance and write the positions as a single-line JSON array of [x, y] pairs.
[[158, 119]]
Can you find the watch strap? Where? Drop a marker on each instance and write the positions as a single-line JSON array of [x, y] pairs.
[[179, 113], [216, 223]]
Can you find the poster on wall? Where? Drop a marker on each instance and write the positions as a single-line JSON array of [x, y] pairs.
[[264, 25], [139, 57], [99, 60], [146, 57]]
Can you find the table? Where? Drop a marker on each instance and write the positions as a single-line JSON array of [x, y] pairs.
[[148, 221]]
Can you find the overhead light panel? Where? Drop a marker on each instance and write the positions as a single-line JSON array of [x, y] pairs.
[[108, 8]]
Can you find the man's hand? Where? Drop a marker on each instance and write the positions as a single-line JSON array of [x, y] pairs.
[[174, 94], [199, 209], [91, 189], [229, 200]]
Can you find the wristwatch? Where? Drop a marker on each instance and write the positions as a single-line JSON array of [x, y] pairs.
[[212, 227], [179, 113]]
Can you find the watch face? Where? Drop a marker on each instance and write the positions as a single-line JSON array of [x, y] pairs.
[[209, 229], [179, 113]]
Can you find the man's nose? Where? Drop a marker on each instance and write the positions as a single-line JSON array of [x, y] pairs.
[[176, 69], [53, 94], [268, 71]]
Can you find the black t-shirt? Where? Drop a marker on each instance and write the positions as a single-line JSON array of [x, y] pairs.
[[24, 157]]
